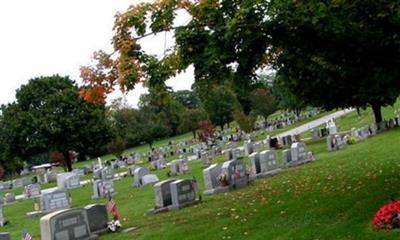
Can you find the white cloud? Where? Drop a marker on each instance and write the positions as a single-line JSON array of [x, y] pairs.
[[45, 37]]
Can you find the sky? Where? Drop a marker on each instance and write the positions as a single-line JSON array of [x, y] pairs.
[[46, 37]]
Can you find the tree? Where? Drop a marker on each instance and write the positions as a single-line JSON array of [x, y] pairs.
[[49, 116], [286, 98], [246, 122], [263, 103], [117, 146], [338, 53], [225, 41], [190, 120], [220, 105], [187, 98]]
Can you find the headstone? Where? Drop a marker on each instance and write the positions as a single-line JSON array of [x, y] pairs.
[[17, 183], [255, 163], [53, 200], [268, 163], [183, 192], [248, 147], [162, 192], [228, 153], [103, 188], [5, 236], [68, 180], [10, 197], [149, 179], [103, 173], [298, 152], [210, 176], [138, 174], [179, 167], [66, 225], [314, 134], [32, 190], [97, 217], [2, 221], [236, 173], [287, 157], [131, 170], [79, 172]]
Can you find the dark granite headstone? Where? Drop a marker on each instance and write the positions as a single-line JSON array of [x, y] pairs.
[[98, 217], [5, 236]]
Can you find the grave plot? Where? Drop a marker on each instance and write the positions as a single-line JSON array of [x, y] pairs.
[[296, 155], [51, 200], [68, 180], [179, 167], [222, 178], [174, 194], [142, 177], [264, 164], [32, 191], [335, 142], [66, 224], [97, 218]]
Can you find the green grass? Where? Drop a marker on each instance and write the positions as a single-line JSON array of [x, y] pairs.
[[332, 198]]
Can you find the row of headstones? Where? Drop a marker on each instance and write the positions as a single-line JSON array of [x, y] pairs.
[[232, 173], [322, 132]]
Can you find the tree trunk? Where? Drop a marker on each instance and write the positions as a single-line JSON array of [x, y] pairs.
[[376, 107], [194, 134], [67, 160], [358, 112]]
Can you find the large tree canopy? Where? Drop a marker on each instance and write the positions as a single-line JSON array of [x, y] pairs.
[[338, 53], [224, 41], [49, 116]]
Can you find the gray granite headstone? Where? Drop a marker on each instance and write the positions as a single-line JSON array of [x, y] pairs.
[[138, 173], [102, 189], [5, 236], [54, 199], [32, 190], [210, 176], [236, 172], [162, 192], [298, 152], [149, 179], [10, 197], [71, 224], [183, 192]]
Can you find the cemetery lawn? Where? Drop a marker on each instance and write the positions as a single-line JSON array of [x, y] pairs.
[[334, 197]]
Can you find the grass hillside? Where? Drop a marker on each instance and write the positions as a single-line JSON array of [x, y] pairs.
[[332, 198]]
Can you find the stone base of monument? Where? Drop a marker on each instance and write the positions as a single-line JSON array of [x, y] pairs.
[[222, 189], [172, 207], [268, 174], [297, 163]]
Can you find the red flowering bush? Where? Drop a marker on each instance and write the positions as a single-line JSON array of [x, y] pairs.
[[388, 216]]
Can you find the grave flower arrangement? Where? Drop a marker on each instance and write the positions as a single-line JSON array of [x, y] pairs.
[[223, 179], [388, 216]]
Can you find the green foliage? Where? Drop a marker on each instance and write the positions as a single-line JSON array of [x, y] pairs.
[[117, 146], [338, 54], [246, 122], [50, 116], [263, 103], [220, 104], [187, 98], [190, 120], [286, 98]]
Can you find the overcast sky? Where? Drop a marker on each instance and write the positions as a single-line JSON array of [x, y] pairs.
[[46, 37]]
